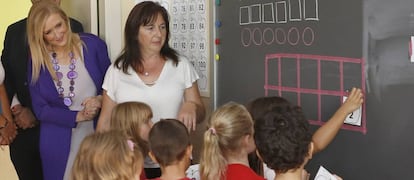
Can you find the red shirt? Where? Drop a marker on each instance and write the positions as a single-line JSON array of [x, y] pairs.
[[186, 178], [241, 172], [142, 176]]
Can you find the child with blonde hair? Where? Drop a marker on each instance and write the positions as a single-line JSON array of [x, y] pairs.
[[227, 143], [135, 119], [109, 155]]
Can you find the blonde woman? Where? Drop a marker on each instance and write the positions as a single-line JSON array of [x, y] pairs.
[[66, 73], [227, 143], [24, 151], [108, 155]]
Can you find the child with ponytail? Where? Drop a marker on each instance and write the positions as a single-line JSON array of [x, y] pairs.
[[227, 143]]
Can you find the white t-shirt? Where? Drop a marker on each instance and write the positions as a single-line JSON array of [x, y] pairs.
[[164, 97]]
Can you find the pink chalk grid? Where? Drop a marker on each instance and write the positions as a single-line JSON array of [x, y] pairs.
[[319, 92]]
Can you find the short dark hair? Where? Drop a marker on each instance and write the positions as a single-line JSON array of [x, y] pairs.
[[142, 14], [282, 133], [168, 141]]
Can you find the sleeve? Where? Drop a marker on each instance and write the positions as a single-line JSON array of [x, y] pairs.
[[95, 53], [5, 60], [103, 62], [76, 26], [191, 74], [49, 110], [110, 82]]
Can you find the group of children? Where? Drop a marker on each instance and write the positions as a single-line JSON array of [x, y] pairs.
[[277, 130]]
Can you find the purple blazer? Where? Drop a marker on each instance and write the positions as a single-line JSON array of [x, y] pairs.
[[56, 120]]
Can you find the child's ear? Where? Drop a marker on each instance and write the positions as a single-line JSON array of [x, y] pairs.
[[189, 151], [246, 140], [151, 155], [310, 152]]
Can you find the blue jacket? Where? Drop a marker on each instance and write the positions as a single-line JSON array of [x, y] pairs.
[[56, 120]]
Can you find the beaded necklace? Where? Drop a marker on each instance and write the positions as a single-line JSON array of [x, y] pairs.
[[71, 75]]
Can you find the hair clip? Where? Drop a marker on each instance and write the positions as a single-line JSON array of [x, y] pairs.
[[212, 130], [131, 144]]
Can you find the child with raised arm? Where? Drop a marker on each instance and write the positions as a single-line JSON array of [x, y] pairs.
[[227, 143], [109, 155], [170, 147], [283, 137], [135, 119], [260, 107]]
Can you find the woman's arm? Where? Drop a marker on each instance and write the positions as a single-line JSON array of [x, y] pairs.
[[8, 129], [192, 110], [105, 116], [326, 133], [5, 104]]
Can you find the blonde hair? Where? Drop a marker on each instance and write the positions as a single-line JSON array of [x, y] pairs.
[[129, 117], [38, 14], [107, 155], [228, 124]]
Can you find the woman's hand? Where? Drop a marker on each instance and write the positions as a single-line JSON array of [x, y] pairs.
[[188, 115], [92, 106], [23, 117], [8, 132], [192, 110]]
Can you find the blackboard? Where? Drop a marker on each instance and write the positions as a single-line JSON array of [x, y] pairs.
[[311, 52]]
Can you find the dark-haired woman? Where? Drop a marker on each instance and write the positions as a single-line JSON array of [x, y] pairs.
[[150, 71]]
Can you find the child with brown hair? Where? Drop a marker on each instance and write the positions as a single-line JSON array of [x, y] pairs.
[[170, 147], [282, 134], [109, 155], [135, 119]]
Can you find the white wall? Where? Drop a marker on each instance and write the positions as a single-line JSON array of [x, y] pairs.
[[85, 11]]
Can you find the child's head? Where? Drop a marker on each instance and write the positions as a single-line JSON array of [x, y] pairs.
[[230, 133], [135, 119], [107, 155], [169, 142], [282, 134]]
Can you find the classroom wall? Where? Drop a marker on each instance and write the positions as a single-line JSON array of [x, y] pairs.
[[85, 11], [10, 11]]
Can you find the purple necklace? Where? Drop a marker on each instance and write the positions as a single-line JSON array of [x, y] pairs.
[[71, 75]]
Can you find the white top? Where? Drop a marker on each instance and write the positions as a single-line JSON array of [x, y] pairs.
[[164, 97], [84, 88], [268, 173], [84, 85], [1, 73]]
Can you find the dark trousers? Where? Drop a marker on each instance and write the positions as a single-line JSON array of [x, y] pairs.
[[25, 155]]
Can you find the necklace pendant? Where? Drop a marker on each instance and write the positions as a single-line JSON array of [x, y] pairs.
[[71, 75], [67, 101], [146, 73]]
